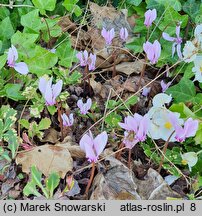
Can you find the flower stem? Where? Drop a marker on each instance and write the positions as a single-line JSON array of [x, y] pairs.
[[60, 119], [118, 154], [114, 65], [129, 158], [91, 178], [164, 152]]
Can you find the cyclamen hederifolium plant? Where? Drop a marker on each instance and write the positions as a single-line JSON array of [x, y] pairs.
[[53, 87]]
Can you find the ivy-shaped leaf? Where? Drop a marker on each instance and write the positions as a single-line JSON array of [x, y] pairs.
[[184, 91], [42, 5], [42, 61]]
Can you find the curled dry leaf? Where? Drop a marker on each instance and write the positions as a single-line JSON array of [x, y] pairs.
[[117, 183], [47, 159], [153, 187]]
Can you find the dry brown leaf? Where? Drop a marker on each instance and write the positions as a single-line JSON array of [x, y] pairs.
[[153, 187], [116, 183], [130, 67], [47, 159], [51, 135], [72, 147]]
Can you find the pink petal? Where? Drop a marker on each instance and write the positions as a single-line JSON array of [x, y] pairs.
[[173, 49], [146, 91], [92, 62], [179, 53], [167, 37], [100, 142], [86, 144], [42, 85], [49, 93], [80, 104], [85, 54], [157, 49], [104, 33], [21, 68], [178, 31], [88, 103], [57, 88], [190, 127]]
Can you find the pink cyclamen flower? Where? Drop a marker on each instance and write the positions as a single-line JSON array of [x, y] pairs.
[[176, 41], [84, 107], [164, 85], [123, 34], [67, 121], [153, 51], [91, 62], [108, 35], [85, 60], [93, 147], [136, 129], [146, 91], [49, 91], [12, 57], [189, 129], [150, 16]]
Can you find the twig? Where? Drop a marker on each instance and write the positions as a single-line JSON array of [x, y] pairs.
[[60, 119], [11, 6], [164, 152], [129, 158], [91, 178], [21, 116]]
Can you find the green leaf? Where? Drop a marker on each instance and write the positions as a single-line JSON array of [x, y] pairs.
[[66, 54], [175, 4], [13, 144], [74, 78], [170, 19], [42, 61], [44, 124], [25, 43], [184, 91], [183, 110], [52, 109], [36, 178], [3, 59], [52, 182], [191, 7], [134, 2], [198, 137], [113, 119], [30, 189], [13, 91], [6, 29], [4, 12], [71, 6], [32, 21], [132, 101], [42, 5], [25, 123], [137, 45]]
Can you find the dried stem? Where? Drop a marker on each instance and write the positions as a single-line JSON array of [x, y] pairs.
[[21, 116], [60, 119], [118, 154], [91, 178], [129, 158], [164, 152]]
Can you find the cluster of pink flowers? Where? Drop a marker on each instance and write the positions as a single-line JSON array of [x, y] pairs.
[[153, 51], [110, 34], [136, 128], [86, 59]]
